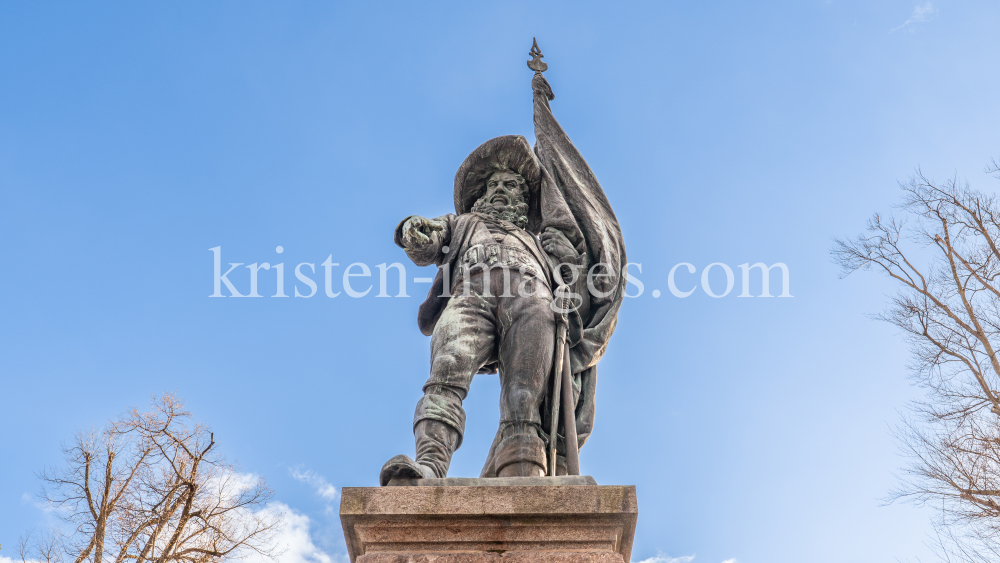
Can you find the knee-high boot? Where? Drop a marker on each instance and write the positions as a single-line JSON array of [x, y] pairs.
[[521, 453], [436, 442]]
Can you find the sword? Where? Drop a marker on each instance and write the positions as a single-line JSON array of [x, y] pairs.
[[562, 391]]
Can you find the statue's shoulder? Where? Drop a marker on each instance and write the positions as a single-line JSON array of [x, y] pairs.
[[461, 228], [464, 223]]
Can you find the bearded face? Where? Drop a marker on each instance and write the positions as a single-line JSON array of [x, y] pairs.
[[505, 198]]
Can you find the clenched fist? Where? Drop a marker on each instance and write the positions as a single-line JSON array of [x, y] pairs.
[[558, 246], [417, 231]]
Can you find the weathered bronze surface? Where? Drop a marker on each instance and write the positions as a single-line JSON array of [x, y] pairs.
[[530, 280]]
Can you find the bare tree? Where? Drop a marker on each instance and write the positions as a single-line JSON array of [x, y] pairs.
[[152, 487], [47, 548], [945, 256]]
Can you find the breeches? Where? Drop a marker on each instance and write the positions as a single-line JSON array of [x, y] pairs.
[[480, 327]]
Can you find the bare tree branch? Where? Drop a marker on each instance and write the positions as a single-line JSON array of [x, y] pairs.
[[947, 264], [151, 487]]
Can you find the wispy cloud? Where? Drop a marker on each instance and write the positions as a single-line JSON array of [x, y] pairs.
[[294, 541], [46, 507], [921, 13], [323, 488], [661, 558]]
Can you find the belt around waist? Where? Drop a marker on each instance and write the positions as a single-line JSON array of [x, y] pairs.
[[490, 255]]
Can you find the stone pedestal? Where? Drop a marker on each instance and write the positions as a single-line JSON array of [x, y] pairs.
[[507, 520]]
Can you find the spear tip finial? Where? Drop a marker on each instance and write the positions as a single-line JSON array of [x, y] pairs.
[[536, 63]]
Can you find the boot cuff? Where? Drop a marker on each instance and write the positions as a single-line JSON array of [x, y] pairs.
[[520, 448], [442, 408]]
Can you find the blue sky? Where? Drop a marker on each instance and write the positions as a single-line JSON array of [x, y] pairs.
[[134, 137]]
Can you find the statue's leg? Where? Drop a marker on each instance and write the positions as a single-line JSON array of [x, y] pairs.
[[527, 326], [463, 341]]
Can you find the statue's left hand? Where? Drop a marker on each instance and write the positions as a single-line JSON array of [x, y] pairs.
[[558, 246]]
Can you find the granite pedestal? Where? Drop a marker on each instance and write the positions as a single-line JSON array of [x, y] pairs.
[[503, 520]]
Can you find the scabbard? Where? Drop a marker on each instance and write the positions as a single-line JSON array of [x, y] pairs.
[[562, 397], [569, 417], [557, 380]]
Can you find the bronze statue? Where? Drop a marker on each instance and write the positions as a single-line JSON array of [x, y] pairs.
[[531, 276]]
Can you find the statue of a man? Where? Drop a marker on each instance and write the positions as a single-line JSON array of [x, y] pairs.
[[527, 223]]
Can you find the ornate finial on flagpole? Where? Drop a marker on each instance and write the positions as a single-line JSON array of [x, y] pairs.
[[536, 63]]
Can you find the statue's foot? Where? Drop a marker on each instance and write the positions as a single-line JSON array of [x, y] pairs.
[[402, 467]]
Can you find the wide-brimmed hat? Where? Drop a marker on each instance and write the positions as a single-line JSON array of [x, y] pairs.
[[510, 152]]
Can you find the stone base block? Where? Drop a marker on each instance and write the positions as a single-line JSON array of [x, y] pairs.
[[515, 522]]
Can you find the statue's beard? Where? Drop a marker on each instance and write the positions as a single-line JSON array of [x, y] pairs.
[[516, 212]]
